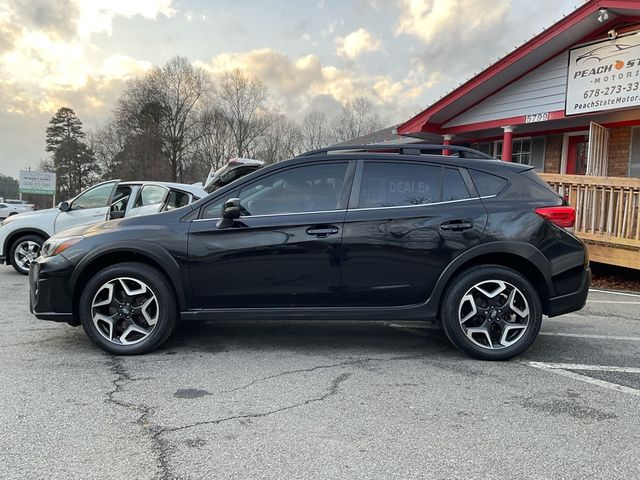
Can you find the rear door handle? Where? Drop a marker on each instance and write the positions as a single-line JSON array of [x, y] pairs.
[[456, 225], [323, 231]]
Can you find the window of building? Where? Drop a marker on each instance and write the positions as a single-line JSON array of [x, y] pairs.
[[521, 152]]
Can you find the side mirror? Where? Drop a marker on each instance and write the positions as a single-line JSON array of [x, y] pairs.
[[64, 206], [230, 212]]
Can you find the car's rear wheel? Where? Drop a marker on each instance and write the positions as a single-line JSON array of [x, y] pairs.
[[128, 309], [491, 312], [23, 251]]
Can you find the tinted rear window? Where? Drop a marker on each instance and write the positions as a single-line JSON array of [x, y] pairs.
[[487, 184], [399, 184], [453, 186]]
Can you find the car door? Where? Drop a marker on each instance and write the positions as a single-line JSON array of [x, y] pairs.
[[405, 222], [91, 206], [283, 251]]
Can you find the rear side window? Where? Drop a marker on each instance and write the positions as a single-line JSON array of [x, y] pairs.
[[487, 184], [453, 186], [399, 184], [176, 199], [150, 195]]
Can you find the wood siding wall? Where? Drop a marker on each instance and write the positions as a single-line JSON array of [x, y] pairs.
[[541, 90]]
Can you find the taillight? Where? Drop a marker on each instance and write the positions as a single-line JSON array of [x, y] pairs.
[[564, 217]]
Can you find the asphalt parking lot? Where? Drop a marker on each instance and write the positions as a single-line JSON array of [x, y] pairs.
[[312, 400]]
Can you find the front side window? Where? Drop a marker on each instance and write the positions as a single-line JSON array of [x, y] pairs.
[[311, 188], [399, 184], [150, 195], [95, 197]]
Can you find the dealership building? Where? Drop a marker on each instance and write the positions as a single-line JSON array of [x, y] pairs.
[[567, 102]]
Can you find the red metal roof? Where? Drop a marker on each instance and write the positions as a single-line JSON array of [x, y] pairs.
[[576, 27]]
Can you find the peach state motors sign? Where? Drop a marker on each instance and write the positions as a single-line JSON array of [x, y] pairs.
[[604, 76]]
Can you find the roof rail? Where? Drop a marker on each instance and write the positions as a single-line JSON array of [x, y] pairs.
[[404, 149]]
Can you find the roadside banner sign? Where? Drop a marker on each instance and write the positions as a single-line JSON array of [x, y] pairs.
[[37, 182]]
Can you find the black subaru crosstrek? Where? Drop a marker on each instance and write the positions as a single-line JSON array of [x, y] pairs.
[[386, 232]]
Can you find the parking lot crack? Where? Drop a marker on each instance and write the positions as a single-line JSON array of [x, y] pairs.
[[331, 391], [320, 367], [159, 446]]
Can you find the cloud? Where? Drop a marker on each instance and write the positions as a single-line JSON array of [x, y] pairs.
[[57, 18], [300, 84], [452, 19], [97, 15], [66, 19], [356, 43], [9, 32]]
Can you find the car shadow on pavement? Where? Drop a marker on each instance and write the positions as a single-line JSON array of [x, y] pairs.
[[373, 337]]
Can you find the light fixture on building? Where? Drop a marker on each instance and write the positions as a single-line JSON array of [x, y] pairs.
[[603, 15], [612, 34]]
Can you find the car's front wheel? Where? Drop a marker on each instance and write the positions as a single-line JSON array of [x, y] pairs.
[[25, 250], [491, 312], [128, 309]]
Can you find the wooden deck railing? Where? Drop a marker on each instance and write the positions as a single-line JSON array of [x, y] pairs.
[[607, 213]]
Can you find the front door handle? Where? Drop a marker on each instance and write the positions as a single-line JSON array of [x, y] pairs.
[[323, 231], [456, 225]]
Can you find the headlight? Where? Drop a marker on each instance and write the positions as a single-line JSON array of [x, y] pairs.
[[57, 245]]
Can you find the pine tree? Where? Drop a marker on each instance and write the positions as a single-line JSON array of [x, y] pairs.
[[72, 160]]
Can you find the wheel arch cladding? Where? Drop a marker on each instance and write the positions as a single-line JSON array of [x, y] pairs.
[[525, 259], [147, 253]]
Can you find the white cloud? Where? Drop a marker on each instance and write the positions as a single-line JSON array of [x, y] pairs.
[[296, 83], [451, 19], [97, 15], [356, 43]]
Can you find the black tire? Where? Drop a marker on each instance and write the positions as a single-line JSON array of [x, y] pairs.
[[454, 296], [16, 244], [157, 282]]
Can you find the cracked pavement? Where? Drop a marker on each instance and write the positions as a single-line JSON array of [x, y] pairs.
[[318, 400]]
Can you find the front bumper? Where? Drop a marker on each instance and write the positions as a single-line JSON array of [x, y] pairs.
[[572, 301], [50, 296]]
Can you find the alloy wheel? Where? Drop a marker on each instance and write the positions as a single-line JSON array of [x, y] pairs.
[[494, 314], [125, 311], [25, 253]]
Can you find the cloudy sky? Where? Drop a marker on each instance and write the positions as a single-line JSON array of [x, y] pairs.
[[312, 54]]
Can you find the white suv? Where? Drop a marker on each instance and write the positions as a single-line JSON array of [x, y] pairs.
[[22, 235]]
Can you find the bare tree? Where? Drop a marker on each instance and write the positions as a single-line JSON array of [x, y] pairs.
[[243, 101], [166, 103], [280, 141], [314, 131], [357, 118], [214, 144]]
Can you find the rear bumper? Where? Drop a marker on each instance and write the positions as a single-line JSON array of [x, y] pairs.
[[50, 296], [572, 301]]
